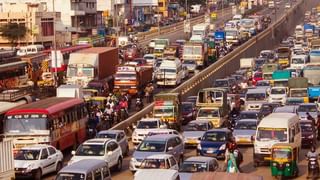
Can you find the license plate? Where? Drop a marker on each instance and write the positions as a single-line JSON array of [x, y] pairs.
[[209, 152], [192, 141], [243, 140]]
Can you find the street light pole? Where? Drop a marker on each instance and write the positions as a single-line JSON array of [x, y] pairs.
[[55, 45]]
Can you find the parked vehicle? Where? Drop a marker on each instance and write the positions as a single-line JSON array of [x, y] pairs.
[[37, 160]]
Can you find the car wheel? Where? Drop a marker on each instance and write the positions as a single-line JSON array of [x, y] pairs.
[[38, 174], [58, 167], [119, 165]]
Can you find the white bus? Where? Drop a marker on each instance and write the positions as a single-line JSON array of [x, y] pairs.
[[30, 49], [275, 128]]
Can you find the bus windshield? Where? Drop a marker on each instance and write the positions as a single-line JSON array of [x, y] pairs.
[[15, 124], [279, 134]]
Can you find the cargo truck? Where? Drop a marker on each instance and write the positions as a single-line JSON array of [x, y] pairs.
[[167, 107], [268, 69], [132, 79], [212, 105], [284, 56], [196, 52], [96, 64], [6, 160], [298, 88], [311, 71]]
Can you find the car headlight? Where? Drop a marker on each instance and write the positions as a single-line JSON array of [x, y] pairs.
[[30, 168], [223, 147], [133, 160], [310, 137], [199, 147], [287, 165]]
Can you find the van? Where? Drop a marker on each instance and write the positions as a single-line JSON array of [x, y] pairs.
[[298, 61], [275, 128], [30, 49], [170, 73], [255, 98], [85, 169]]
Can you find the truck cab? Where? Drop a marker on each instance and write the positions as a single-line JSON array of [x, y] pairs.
[[298, 61], [213, 105]]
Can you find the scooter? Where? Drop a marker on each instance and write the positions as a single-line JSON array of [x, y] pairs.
[[313, 168]]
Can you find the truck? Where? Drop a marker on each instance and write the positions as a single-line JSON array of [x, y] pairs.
[[167, 107], [132, 79], [298, 88], [314, 56], [313, 93], [7, 160], [196, 52], [170, 72], [308, 30], [74, 91], [281, 77], [268, 69], [284, 56], [201, 29], [233, 37], [160, 43], [96, 64], [311, 71], [212, 104]]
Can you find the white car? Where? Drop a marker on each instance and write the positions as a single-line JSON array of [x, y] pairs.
[[145, 126], [37, 160], [103, 149], [159, 161]]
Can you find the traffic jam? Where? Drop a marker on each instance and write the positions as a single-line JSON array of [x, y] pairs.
[[60, 109]]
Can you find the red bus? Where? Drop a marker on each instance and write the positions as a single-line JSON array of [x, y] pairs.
[[58, 121], [63, 56]]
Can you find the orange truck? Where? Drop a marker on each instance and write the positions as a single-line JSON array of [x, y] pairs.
[[132, 79]]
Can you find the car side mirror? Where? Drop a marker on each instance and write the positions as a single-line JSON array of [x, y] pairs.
[[73, 153], [170, 148]]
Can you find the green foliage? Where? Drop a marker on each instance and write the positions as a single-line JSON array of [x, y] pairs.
[[13, 32]]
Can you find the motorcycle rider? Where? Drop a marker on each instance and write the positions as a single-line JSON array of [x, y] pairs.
[[312, 154], [139, 104]]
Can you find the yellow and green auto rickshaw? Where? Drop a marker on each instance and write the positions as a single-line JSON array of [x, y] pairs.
[[99, 101], [284, 160]]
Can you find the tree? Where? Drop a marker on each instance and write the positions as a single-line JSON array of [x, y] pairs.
[[13, 32]]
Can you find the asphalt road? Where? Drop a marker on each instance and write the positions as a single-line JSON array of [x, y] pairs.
[[247, 165]]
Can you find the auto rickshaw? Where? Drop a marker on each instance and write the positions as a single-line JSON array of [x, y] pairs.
[[212, 52], [100, 101], [284, 160], [88, 93]]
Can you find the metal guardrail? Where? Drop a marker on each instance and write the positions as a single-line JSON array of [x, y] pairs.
[[220, 68]]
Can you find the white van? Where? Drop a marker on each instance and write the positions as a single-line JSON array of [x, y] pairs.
[[170, 73], [30, 49], [298, 61], [275, 128]]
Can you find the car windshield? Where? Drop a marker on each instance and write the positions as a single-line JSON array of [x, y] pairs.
[[90, 150], [187, 108], [192, 167], [70, 176], [153, 164], [297, 61], [278, 134], [298, 92], [214, 136], [278, 91], [306, 127], [27, 154], [168, 71], [147, 125], [106, 135], [152, 146], [307, 108], [196, 127], [18, 124], [263, 83], [245, 115], [282, 154], [246, 125], [210, 113], [255, 96], [189, 62], [221, 83]]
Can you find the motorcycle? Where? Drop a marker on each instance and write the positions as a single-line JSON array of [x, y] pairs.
[[313, 167], [91, 129], [139, 104]]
